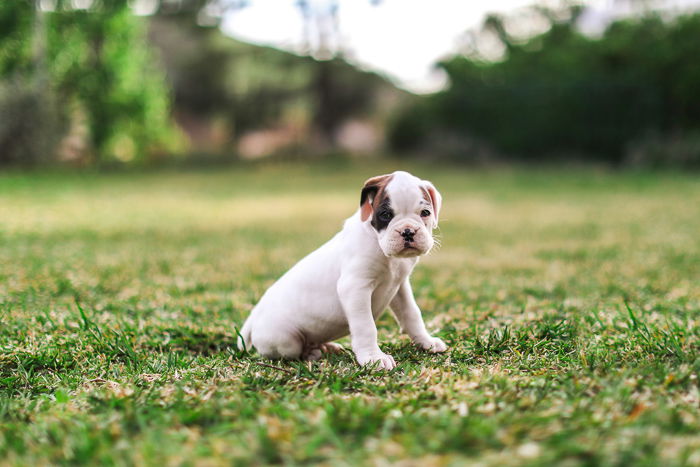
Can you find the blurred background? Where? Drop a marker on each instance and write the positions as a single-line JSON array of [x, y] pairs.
[[146, 82]]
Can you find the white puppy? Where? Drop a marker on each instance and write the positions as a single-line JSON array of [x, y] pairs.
[[347, 283]]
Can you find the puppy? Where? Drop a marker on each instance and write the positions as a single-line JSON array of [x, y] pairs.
[[345, 285]]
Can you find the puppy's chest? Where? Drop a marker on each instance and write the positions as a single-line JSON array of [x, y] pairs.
[[398, 270], [388, 284]]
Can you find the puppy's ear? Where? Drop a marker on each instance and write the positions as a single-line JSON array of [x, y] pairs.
[[435, 198], [369, 193]]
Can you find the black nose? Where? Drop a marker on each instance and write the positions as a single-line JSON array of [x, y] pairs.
[[408, 234]]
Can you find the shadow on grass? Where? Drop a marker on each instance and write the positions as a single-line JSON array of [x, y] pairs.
[[190, 341]]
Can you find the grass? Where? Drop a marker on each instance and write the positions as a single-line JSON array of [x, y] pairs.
[[569, 301]]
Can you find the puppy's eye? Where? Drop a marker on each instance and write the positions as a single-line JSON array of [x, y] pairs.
[[424, 213], [385, 216]]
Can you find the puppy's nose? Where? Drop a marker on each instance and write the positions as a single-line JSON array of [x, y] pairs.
[[408, 234]]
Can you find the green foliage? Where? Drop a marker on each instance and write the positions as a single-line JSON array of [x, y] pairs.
[[569, 300], [97, 64], [100, 60], [15, 47], [561, 93]]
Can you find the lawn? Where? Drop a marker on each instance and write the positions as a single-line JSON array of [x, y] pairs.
[[570, 301]]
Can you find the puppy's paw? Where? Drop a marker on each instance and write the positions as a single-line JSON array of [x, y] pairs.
[[383, 361], [432, 344], [332, 347]]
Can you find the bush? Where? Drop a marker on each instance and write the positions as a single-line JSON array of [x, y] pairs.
[[96, 60], [563, 94]]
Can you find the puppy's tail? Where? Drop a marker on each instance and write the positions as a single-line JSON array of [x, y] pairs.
[[244, 343]]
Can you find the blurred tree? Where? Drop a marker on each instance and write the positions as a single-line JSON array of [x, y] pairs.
[[70, 72], [335, 97], [29, 123], [96, 64], [248, 87], [217, 79], [562, 94]]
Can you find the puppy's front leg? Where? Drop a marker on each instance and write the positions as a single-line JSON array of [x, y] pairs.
[[356, 299], [407, 313]]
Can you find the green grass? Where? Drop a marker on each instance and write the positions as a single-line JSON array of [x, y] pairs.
[[569, 301]]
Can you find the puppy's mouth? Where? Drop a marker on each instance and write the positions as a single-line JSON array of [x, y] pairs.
[[408, 251]]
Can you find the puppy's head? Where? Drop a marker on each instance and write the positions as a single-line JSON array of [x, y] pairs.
[[403, 210]]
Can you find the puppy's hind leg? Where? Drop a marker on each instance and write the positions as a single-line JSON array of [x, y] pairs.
[[276, 345], [315, 352]]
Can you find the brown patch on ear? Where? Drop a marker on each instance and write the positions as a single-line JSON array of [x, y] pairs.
[[435, 199], [372, 194]]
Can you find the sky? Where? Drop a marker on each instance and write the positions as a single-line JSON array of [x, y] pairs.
[[402, 39]]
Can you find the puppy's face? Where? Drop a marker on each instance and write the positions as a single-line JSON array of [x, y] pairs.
[[403, 210]]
